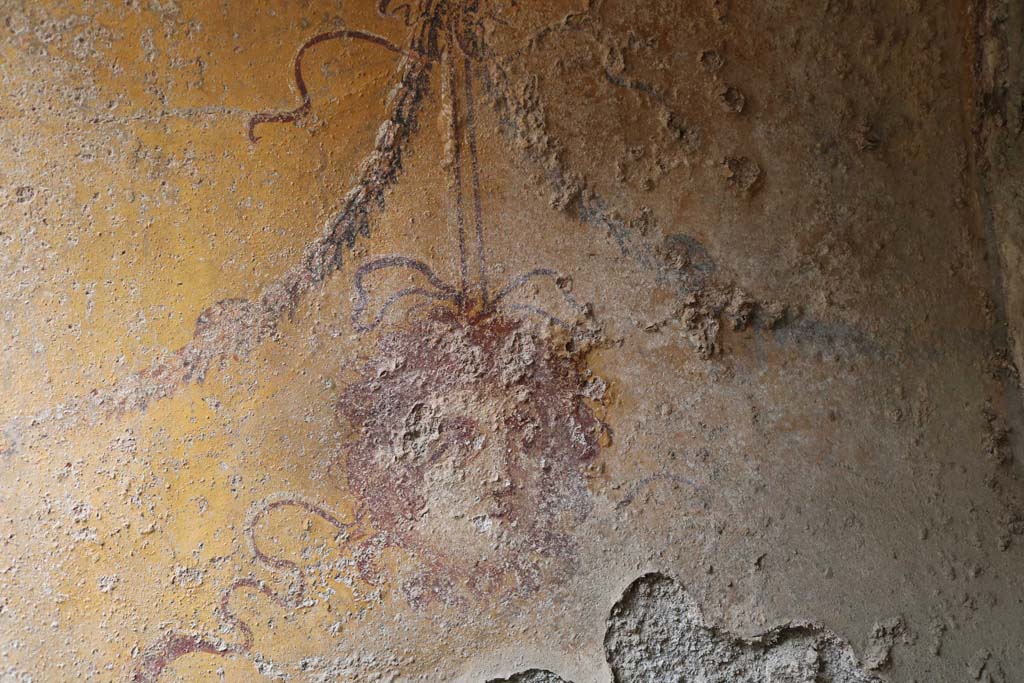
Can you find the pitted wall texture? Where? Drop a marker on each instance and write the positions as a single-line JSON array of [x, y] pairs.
[[481, 340]]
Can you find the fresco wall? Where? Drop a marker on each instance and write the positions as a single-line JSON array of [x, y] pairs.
[[456, 340]]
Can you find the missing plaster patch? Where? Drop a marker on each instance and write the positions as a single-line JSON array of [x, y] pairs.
[[657, 633], [531, 676]]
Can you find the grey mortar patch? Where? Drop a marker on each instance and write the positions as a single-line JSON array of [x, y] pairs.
[[531, 676], [657, 633]]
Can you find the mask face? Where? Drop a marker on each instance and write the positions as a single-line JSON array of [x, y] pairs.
[[469, 447]]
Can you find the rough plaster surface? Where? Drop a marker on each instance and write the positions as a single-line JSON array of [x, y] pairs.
[[425, 341], [531, 676], [657, 633]]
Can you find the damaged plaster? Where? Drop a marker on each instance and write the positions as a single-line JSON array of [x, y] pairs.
[[434, 341], [657, 633]]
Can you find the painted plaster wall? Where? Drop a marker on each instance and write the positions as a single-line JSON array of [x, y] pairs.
[[454, 340]]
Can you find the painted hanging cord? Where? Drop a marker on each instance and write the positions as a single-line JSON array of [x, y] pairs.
[[304, 107]]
